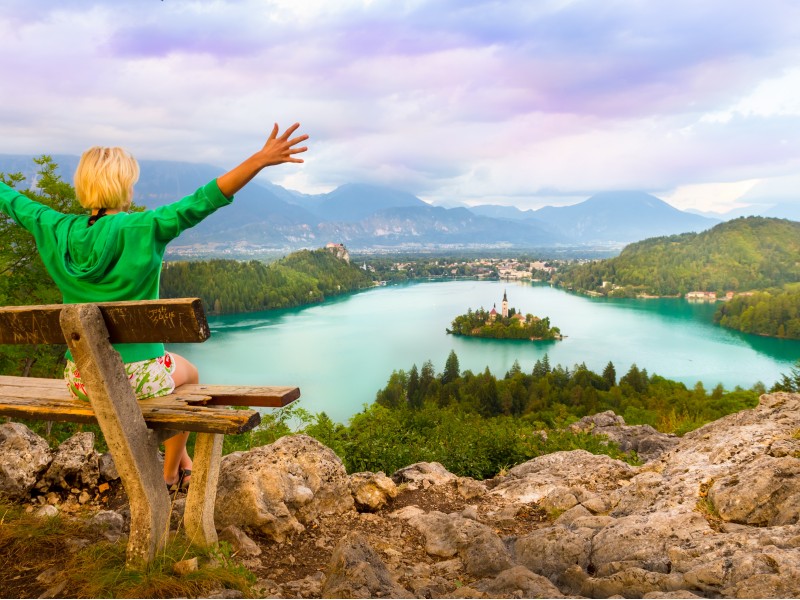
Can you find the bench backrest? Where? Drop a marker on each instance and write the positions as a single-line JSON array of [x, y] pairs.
[[170, 321]]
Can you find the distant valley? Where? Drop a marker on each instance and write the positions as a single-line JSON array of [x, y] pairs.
[[365, 217]]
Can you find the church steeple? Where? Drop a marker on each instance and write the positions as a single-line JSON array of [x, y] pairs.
[[505, 305]]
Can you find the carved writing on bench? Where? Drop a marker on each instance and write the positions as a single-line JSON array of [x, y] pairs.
[[172, 320]]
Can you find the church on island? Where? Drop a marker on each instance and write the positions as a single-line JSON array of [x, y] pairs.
[[518, 316], [506, 324]]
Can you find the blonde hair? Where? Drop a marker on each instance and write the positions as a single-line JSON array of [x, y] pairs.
[[105, 178]]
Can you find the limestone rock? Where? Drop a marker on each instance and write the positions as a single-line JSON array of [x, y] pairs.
[[108, 470], [642, 540], [551, 551], [108, 522], [48, 511], [470, 489], [23, 457], [356, 571], [372, 491], [423, 475], [241, 543], [646, 441], [519, 582], [480, 549], [280, 488], [535, 479], [74, 464], [632, 582], [182, 568], [763, 492]]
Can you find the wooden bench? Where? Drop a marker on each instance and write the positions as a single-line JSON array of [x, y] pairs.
[[133, 430]]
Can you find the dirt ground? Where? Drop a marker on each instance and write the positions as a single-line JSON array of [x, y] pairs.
[[293, 568]]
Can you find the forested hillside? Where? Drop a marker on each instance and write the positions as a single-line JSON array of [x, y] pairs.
[[229, 286], [752, 253], [774, 312]]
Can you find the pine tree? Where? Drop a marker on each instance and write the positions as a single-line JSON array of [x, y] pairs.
[[451, 368], [414, 394], [610, 374]]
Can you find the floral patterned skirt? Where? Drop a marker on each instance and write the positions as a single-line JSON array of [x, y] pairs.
[[149, 378]]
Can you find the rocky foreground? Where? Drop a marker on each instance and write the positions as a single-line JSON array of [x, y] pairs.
[[713, 514]]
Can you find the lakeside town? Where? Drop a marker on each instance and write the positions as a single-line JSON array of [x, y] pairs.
[[514, 269]]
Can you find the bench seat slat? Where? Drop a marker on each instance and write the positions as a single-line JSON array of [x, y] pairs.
[[141, 321], [208, 395], [158, 415], [242, 395]]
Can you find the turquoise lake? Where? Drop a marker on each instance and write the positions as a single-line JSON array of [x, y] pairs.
[[341, 352]]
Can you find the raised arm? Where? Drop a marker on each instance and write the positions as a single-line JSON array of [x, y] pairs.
[[277, 150]]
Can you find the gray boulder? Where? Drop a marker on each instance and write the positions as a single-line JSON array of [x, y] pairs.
[[481, 550], [423, 475], [519, 582], [280, 488], [646, 441], [74, 465], [107, 467], [356, 571], [578, 471], [551, 551], [109, 523], [763, 492], [23, 457]]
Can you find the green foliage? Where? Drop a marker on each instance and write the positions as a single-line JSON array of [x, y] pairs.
[[467, 444], [553, 397], [23, 277], [480, 324], [774, 313], [742, 254], [229, 286], [789, 382]]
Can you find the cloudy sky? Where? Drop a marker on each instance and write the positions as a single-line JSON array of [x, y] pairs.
[[525, 103]]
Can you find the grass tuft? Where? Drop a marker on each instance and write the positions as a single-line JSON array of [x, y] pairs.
[[99, 571], [31, 545]]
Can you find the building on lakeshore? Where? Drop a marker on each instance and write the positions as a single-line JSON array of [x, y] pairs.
[[702, 296]]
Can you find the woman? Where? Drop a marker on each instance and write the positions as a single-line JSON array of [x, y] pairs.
[[115, 255]]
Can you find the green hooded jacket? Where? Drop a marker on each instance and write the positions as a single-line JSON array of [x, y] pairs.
[[117, 258]]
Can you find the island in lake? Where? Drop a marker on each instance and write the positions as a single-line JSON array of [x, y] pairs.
[[508, 324]]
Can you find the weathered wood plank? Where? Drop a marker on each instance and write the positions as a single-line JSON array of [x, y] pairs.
[[208, 395], [169, 320], [241, 395], [157, 415]]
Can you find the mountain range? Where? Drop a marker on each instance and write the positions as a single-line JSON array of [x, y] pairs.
[[266, 216]]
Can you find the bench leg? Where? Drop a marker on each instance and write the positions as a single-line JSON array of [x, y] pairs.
[[123, 426], [199, 512]]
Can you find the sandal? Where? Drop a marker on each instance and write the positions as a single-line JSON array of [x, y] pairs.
[[181, 484], [184, 474]]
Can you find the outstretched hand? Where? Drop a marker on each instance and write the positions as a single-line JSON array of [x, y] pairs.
[[281, 149], [277, 150]]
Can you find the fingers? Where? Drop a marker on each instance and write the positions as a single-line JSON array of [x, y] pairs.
[[289, 131], [280, 148], [297, 140]]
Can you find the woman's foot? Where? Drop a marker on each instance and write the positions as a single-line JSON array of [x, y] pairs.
[[181, 482]]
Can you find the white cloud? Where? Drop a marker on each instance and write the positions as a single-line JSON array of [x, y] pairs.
[[710, 197], [453, 101], [778, 96]]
